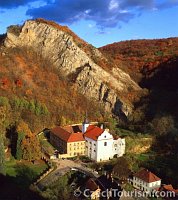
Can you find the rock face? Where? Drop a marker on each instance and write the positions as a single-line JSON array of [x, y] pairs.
[[66, 55]]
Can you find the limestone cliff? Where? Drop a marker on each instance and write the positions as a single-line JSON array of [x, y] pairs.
[[58, 45]]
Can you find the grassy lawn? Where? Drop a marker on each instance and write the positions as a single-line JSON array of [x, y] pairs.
[[37, 168], [24, 173], [10, 168], [125, 132], [145, 156]]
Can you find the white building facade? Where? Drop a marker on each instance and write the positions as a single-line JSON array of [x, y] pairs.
[[119, 147], [101, 146], [146, 181]]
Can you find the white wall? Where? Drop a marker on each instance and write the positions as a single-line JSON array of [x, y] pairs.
[[144, 186], [104, 152], [96, 150], [119, 147], [91, 148]]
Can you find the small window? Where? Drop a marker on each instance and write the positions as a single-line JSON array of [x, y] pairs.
[[105, 136], [105, 143]]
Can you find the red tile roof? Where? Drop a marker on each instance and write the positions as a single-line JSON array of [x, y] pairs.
[[169, 188], [66, 136], [93, 132], [146, 176], [75, 137]]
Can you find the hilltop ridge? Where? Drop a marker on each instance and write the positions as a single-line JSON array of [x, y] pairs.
[[121, 78], [61, 47]]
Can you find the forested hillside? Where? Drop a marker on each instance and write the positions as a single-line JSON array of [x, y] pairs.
[[153, 64], [49, 76], [32, 91], [140, 56]]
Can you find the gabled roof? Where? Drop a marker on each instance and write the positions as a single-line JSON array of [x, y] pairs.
[[146, 176], [169, 188], [93, 132], [76, 137], [66, 136]]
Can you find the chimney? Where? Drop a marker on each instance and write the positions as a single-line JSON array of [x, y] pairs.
[[102, 126]]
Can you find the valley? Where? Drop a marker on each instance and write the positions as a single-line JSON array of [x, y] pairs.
[[49, 77]]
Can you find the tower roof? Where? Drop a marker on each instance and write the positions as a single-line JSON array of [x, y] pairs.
[[86, 121]]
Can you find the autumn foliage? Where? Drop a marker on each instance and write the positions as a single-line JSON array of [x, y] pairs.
[[139, 56], [28, 146], [38, 94]]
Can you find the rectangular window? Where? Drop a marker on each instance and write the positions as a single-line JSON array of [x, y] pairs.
[[105, 143]]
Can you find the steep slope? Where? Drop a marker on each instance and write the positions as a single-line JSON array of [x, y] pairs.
[[32, 89], [78, 62], [139, 57], [153, 64]]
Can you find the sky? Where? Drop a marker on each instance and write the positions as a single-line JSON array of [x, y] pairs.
[[99, 22]]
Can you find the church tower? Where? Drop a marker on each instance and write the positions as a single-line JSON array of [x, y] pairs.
[[85, 124]]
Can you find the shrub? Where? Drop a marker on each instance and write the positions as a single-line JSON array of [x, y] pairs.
[[4, 101]]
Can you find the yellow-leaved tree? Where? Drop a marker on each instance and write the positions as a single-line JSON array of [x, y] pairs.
[[28, 146]]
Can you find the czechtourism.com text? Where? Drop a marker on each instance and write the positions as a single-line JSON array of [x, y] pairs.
[[117, 193]]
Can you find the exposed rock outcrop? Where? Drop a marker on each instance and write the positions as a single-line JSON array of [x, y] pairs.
[[65, 54]]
